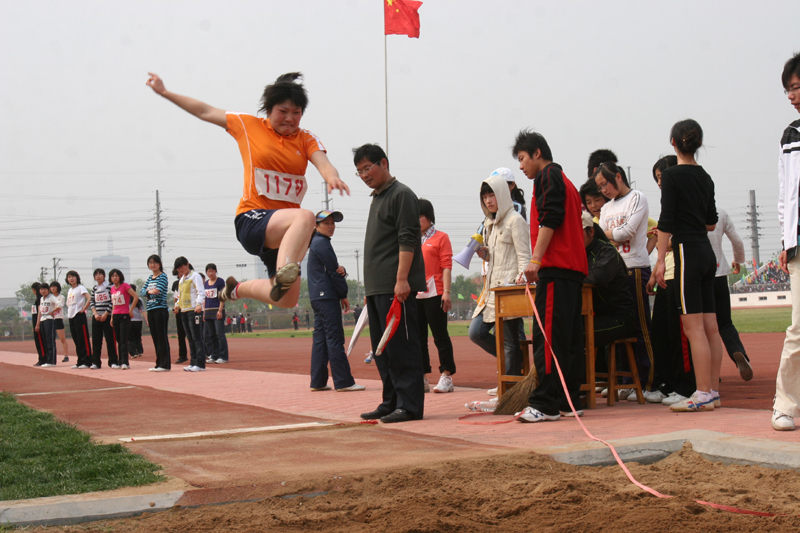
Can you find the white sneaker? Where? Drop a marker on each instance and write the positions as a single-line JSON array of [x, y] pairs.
[[158, 369], [74, 366], [624, 393], [604, 393], [199, 369], [82, 367], [492, 392], [445, 384], [692, 404], [94, 367], [47, 365], [221, 361], [571, 414], [189, 368], [483, 407], [115, 367], [782, 422], [632, 396], [655, 396], [534, 415], [352, 388], [426, 386], [673, 398], [125, 367]]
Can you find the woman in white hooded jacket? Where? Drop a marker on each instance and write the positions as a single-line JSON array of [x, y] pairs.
[[506, 252]]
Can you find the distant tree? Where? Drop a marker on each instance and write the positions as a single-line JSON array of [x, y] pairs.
[[25, 294], [9, 315]]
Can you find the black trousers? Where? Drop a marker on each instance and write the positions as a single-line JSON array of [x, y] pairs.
[[37, 340], [48, 330], [100, 330], [728, 332], [79, 330], [400, 364], [122, 325], [193, 326], [159, 326], [430, 313], [676, 369], [558, 302], [182, 353], [135, 338]]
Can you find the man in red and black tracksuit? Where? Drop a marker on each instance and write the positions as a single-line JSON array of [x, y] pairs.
[[558, 265]]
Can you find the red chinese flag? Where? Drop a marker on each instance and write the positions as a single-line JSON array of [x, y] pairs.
[[400, 17], [245, 306], [474, 297]]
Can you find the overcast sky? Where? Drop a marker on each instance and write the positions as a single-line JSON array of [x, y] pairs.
[[84, 144]]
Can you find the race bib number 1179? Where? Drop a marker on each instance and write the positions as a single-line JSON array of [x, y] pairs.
[[280, 186]]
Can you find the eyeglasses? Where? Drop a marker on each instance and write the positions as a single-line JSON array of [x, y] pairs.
[[791, 90], [365, 171]]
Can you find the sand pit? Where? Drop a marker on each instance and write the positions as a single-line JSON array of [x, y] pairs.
[[511, 493]]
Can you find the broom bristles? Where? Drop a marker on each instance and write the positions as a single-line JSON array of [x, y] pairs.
[[516, 398]]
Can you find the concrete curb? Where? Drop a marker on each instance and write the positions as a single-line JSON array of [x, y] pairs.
[[712, 445], [65, 510]]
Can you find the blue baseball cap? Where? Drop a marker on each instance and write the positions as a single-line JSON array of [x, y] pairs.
[[322, 215]]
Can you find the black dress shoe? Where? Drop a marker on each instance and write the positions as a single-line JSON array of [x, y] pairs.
[[181, 360], [374, 415], [399, 415]]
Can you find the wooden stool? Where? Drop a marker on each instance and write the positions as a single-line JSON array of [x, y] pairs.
[[613, 373], [505, 381]]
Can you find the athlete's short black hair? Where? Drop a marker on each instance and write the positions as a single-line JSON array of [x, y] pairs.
[[57, 285], [35, 285], [529, 141], [426, 210], [212, 266], [589, 189], [119, 273], [597, 157], [99, 271], [282, 89], [791, 68], [156, 259], [73, 273], [663, 164], [371, 152], [181, 261]]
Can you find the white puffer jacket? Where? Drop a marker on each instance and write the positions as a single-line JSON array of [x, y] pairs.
[[509, 241]]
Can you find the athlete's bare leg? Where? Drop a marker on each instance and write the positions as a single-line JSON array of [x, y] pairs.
[[63, 337], [290, 231]]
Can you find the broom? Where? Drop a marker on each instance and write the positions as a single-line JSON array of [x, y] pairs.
[[516, 398]]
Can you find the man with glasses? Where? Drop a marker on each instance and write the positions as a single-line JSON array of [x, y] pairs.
[[787, 387], [393, 270]]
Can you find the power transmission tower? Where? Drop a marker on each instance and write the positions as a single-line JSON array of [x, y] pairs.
[[752, 219], [158, 227], [56, 267]]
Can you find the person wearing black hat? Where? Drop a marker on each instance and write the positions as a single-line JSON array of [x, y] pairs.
[[327, 291]]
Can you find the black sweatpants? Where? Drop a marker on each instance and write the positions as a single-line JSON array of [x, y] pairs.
[[728, 332], [430, 313], [100, 330], [400, 364], [135, 338], [182, 353], [159, 331], [79, 330], [558, 302], [122, 324]]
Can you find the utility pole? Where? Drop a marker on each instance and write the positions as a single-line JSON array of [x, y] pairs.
[[327, 200], [159, 228], [630, 178], [56, 263], [752, 218], [358, 279], [42, 272]]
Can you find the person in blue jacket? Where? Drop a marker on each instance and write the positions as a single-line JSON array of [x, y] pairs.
[[327, 289]]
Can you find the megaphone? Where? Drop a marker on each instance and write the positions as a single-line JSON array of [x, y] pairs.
[[465, 256]]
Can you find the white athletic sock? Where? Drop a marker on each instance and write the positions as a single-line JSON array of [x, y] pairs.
[[704, 396], [714, 393]]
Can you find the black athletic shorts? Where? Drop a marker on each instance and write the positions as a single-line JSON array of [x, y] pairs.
[[251, 227], [695, 269], [59, 323]]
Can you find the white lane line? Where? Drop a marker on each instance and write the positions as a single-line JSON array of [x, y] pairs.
[[222, 432], [73, 391]]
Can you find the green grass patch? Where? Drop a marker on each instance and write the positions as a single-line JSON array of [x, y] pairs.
[[42, 456], [768, 320]]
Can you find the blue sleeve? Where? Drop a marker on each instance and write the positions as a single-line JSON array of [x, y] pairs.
[[143, 290], [331, 263]]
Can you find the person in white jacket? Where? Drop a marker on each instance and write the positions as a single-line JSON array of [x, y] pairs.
[[506, 252], [722, 293], [191, 297], [787, 386]]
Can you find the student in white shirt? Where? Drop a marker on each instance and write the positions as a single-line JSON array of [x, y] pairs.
[[46, 324], [78, 301], [58, 318], [624, 221]]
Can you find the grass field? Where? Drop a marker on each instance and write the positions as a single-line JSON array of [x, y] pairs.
[[41, 456], [769, 320]]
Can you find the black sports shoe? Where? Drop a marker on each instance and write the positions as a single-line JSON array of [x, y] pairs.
[[283, 280]]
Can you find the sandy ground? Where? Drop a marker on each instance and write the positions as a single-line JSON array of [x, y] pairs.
[[513, 492]]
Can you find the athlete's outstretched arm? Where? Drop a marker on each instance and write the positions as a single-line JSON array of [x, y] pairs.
[[329, 173], [197, 108]]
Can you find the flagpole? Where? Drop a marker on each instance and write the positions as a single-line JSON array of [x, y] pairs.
[[386, 92]]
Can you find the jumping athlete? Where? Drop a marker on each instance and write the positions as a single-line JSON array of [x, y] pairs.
[[275, 152]]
